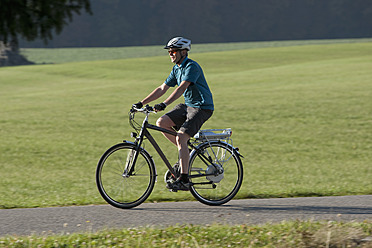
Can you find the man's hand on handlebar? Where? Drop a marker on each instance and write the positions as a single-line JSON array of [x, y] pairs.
[[160, 107], [137, 105], [140, 108]]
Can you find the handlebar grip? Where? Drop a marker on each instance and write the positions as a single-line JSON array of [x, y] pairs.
[[149, 108], [146, 108]]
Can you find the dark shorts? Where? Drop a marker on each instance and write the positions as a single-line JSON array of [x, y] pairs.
[[188, 119]]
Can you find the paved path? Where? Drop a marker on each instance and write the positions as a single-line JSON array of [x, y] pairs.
[[252, 211]]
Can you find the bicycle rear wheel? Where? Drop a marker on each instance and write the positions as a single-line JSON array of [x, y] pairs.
[[118, 184], [208, 185]]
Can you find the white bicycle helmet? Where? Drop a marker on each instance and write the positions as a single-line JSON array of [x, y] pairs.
[[180, 43]]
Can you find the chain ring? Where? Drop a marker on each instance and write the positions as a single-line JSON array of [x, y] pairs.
[[168, 177]]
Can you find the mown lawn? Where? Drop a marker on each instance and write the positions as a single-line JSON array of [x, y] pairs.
[[301, 116]]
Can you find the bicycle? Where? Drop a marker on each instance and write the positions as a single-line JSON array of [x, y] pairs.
[[126, 173]]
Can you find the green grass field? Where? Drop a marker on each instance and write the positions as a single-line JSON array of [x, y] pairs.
[[301, 116], [65, 55], [296, 234]]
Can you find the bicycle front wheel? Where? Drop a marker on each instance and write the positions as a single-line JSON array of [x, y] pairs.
[[122, 183], [216, 173]]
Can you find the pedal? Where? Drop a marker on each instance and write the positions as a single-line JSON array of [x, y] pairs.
[[168, 186]]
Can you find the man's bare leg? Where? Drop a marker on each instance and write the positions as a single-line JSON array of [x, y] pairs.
[[182, 139], [166, 123]]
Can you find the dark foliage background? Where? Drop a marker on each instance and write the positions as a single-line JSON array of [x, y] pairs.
[[143, 22]]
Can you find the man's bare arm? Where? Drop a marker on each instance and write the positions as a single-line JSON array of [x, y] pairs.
[[177, 92], [158, 92]]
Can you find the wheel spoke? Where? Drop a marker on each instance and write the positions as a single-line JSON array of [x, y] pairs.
[[119, 188], [223, 186]]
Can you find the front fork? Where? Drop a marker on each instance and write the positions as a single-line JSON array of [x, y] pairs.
[[129, 165], [133, 155]]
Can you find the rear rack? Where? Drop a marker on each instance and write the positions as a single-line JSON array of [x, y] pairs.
[[213, 134]]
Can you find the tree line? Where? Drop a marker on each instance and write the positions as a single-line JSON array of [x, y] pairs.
[[142, 22], [36, 19]]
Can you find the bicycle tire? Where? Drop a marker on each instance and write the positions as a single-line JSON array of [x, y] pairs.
[[117, 188], [215, 189]]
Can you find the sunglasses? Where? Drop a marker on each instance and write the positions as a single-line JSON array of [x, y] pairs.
[[173, 52]]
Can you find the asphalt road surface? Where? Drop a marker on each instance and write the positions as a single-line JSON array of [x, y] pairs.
[[63, 220]]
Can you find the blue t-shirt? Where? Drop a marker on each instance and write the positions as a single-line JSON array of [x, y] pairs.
[[198, 94]]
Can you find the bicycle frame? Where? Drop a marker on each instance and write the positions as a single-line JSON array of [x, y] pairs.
[[145, 133], [215, 169]]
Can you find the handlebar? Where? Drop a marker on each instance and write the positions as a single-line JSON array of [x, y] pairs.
[[146, 109]]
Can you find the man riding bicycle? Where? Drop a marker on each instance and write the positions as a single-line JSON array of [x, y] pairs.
[[186, 118]]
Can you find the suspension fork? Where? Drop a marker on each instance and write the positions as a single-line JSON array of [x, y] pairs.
[[132, 161]]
